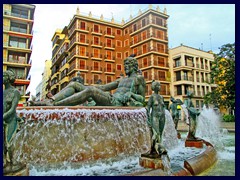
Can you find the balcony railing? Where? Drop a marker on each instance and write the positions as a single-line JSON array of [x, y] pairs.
[[183, 78]]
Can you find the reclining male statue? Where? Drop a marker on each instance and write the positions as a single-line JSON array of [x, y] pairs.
[[130, 91]]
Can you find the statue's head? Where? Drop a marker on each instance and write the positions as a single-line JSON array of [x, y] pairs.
[[130, 65], [9, 76], [156, 85], [172, 99], [78, 73]]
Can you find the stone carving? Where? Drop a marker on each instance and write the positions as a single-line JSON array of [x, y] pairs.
[[130, 91], [156, 120], [192, 116], [11, 122], [78, 78]]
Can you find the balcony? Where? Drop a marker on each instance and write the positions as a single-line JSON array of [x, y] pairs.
[[96, 70], [109, 71], [183, 78], [110, 35], [109, 59], [94, 32], [109, 46], [97, 57], [97, 44]]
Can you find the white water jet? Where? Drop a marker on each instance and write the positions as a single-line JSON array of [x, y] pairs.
[[170, 140], [208, 127]]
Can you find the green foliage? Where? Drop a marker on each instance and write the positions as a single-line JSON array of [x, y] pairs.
[[223, 74], [229, 118]]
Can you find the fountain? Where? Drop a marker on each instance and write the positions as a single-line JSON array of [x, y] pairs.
[[128, 137], [65, 137]]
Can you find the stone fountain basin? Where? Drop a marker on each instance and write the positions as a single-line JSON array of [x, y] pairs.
[[52, 135], [79, 133]]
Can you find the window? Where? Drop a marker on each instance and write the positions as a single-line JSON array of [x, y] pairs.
[[109, 79], [83, 25], [135, 39], [96, 28], [17, 57], [179, 90], [119, 43], [96, 66], [119, 55], [96, 40], [109, 54], [109, 31], [126, 31], [17, 27], [109, 42], [126, 42], [119, 67], [126, 54], [159, 21], [19, 13], [119, 32], [109, 67], [82, 38], [160, 48], [143, 22], [162, 75], [82, 51], [145, 62], [134, 27], [82, 64], [96, 52], [163, 89], [145, 75], [144, 48], [144, 35], [17, 42], [161, 61], [178, 75], [135, 50], [159, 34]]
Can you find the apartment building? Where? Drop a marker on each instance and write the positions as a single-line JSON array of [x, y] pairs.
[[97, 47], [45, 77], [190, 70], [18, 22]]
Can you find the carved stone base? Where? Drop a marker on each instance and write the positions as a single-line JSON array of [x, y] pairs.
[[16, 171], [147, 161], [197, 143]]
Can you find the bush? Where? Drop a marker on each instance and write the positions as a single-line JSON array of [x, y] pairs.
[[229, 118]]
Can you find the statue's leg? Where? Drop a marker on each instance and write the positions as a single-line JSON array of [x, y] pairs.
[[161, 126], [69, 90], [99, 96]]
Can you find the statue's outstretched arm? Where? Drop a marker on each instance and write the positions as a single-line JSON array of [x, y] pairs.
[[110, 86]]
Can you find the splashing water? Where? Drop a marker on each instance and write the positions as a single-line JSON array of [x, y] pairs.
[[208, 127], [170, 140], [80, 134]]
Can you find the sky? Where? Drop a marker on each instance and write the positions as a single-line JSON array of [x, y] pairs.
[[201, 26]]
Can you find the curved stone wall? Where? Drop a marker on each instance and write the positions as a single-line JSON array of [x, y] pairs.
[[58, 134]]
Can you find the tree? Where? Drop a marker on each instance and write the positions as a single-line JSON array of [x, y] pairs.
[[223, 74]]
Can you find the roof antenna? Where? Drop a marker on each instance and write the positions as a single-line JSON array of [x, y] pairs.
[[210, 38]]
